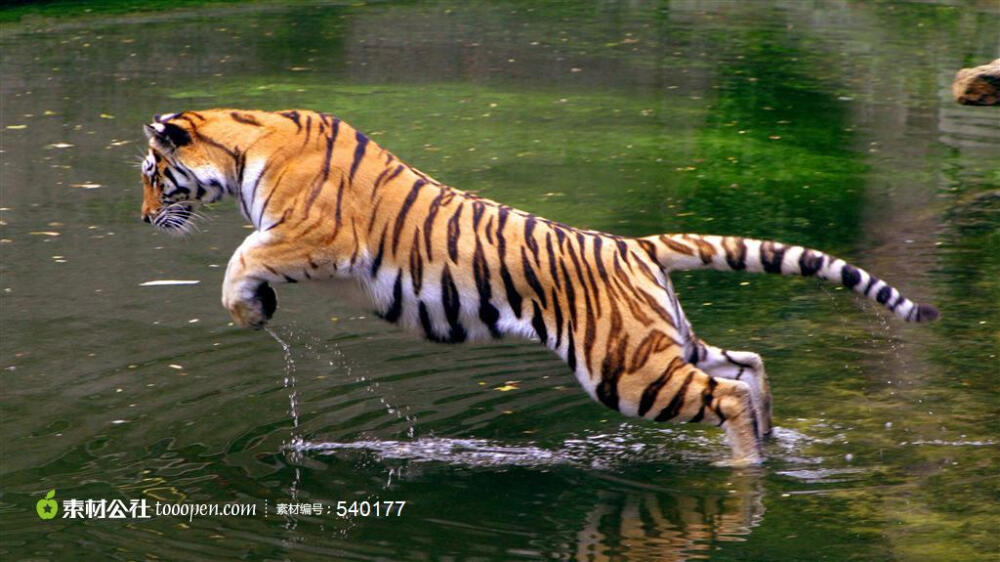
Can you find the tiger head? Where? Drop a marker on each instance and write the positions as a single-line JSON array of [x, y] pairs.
[[178, 175]]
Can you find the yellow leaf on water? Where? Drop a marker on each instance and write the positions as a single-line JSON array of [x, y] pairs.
[[107, 116], [506, 388], [44, 233], [16, 127]]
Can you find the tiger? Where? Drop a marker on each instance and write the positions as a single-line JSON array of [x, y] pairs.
[[326, 202]]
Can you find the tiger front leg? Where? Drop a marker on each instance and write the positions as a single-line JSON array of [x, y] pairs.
[[246, 290]]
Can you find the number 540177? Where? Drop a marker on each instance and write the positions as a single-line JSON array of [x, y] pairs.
[[366, 508]]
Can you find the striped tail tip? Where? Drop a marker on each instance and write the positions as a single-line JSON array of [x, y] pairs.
[[925, 313]]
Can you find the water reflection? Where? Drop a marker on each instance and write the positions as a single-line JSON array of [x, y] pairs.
[[670, 526]]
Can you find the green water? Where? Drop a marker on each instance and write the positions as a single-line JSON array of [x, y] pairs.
[[821, 123]]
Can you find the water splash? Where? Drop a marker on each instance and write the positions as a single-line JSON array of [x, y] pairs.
[[601, 451], [289, 381], [321, 350]]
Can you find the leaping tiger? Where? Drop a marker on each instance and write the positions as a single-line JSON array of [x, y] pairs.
[[325, 201]]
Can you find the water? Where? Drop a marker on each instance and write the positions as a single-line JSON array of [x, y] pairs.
[[822, 123], [289, 380]]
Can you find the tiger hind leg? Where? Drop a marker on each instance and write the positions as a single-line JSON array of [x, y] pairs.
[[744, 366], [685, 393]]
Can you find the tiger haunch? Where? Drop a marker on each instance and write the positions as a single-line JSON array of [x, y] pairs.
[[325, 201]]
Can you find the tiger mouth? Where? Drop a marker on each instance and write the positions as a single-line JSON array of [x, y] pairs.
[[174, 218]]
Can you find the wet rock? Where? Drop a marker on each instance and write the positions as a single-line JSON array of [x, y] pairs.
[[979, 85]]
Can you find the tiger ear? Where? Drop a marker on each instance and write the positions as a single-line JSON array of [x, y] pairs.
[[167, 135]]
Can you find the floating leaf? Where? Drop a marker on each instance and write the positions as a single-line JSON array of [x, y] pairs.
[[508, 386], [44, 233], [86, 185]]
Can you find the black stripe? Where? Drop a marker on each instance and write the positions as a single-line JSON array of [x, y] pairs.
[[337, 223], [425, 323], [529, 228], [871, 283], [377, 263], [590, 274], [570, 349], [170, 176], [677, 402], [481, 271], [771, 256], [401, 218], [538, 323], [244, 118], [378, 180], [883, 294], [416, 263], [294, 116], [396, 307], [513, 297], [552, 260], [391, 176], [559, 317], [359, 153], [529, 274], [849, 276], [706, 400], [330, 140], [478, 208], [452, 302], [611, 370], [650, 393], [599, 260], [570, 295], [454, 229], [737, 262], [560, 235], [899, 300], [241, 165], [623, 250], [429, 223], [579, 273], [810, 262]]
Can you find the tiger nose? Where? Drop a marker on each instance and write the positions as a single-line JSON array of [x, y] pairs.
[[146, 219]]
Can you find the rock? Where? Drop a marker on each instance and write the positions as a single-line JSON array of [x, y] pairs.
[[979, 85]]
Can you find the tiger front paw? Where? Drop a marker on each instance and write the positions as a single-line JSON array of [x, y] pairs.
[[251, 307]]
